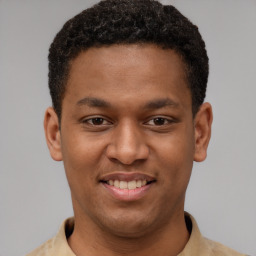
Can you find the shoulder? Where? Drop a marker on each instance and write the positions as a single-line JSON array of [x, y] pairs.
[[58, 245], [44, 249], [199, 245], [218, 249]]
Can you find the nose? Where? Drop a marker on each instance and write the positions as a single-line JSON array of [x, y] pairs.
[[127, 144]]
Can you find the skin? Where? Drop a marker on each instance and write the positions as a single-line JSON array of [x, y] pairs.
[[139, 84]]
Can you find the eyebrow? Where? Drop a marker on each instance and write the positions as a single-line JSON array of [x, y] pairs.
[[151, 105], [161, 103], [93, 102]]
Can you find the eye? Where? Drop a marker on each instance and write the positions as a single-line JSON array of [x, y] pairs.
[[96, 121], [159, 121]]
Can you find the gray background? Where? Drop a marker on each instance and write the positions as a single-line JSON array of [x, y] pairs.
[[34, 196]]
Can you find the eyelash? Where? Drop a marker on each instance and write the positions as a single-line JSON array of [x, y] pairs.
[[91, 120], [159, 118], [165, 121]]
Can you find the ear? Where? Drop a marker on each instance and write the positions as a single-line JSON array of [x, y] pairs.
[[52, 133], [202, 124]]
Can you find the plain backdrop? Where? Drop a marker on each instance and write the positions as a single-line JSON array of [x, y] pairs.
[[34, 195]]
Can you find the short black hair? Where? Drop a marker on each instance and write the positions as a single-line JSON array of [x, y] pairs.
[[129, 22]]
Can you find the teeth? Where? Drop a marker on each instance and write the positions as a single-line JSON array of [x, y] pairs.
[[127, 185], [138, 184], [132, 184], [116, 183], [123, 184]]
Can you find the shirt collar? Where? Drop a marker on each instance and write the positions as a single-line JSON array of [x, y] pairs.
[[196, 245]]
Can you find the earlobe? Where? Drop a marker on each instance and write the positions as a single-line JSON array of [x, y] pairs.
[[202, 123], [52, 133]]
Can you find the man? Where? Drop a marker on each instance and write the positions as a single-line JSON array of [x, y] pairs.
[[128, 82]]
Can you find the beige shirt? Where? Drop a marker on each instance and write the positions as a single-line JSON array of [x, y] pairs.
[[196, 246]]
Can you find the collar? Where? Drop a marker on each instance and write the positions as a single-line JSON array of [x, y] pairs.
[[197, 244]]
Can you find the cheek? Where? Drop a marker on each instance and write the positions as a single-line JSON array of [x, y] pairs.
[[175, 156], [79, 149], [81, 157]]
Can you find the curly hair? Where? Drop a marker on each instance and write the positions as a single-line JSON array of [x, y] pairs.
[[129, 22]]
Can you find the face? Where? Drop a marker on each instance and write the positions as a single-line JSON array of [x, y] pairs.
[[127, 138]]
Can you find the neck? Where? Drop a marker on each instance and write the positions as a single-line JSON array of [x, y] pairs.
[[89, 240]]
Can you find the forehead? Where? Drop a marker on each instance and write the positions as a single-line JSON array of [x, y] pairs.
[[126, 71], [128, 57]]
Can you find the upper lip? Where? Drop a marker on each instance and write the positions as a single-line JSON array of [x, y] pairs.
[[124, 176]]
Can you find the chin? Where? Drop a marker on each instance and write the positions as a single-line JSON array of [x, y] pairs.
[[128, 225]]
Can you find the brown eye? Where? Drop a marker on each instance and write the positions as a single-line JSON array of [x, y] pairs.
[[97, 121], [159, 121]]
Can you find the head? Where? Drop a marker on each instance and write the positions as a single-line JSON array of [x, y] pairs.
[[128, 80], [125, 22]]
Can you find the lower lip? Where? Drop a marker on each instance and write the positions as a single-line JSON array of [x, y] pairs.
[[127, 194]]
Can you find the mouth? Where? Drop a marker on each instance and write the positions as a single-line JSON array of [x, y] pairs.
[[122, 184], [127, 186]]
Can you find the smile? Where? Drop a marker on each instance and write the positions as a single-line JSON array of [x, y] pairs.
[[127, 186]]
